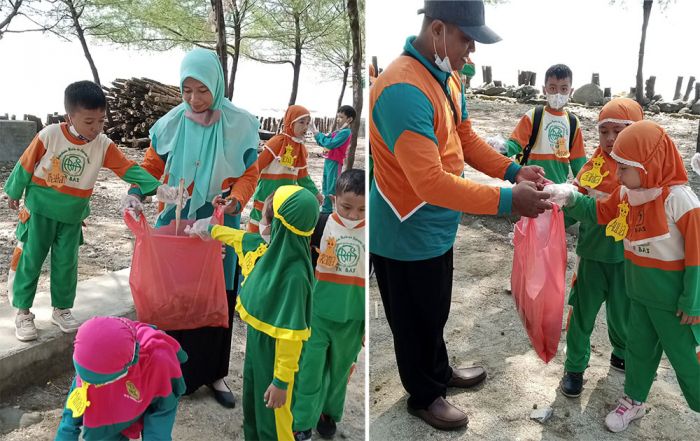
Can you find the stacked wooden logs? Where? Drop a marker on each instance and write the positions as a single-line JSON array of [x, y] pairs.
[[135, 105]]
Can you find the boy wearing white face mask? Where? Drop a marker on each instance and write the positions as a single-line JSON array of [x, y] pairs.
[[550, 137], [335, 146], [338, 313]]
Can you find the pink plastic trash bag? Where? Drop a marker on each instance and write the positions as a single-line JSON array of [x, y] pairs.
[[537, 280], [177, 282]]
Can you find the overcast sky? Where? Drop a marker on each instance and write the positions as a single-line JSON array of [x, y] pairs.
[[36, 68], [588, 35]]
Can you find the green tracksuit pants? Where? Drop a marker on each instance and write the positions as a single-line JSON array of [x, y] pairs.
[[331, 171]]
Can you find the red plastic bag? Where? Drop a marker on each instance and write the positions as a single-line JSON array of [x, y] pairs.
[[177, 282], [537, 280]]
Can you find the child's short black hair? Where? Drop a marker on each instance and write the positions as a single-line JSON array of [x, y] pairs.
[[84, 95], [560, 72], [348, 111], [351, 181]]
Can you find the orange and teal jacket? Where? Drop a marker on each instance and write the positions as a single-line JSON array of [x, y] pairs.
[[420, 143], [551, 149], [58, 171]]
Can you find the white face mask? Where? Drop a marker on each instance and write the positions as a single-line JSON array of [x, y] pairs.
[[641, 196], [349, 223], [557, 100], [444, 64]]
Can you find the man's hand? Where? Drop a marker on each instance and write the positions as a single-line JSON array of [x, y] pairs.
[[687, 319], [532, 173], [274, 397], [529, 202], [319, 198], [13, 204]]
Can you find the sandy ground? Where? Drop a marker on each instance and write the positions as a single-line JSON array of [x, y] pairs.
[[108, 245], [484, 328]]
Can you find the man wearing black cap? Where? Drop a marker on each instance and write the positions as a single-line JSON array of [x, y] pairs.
[[421, 136]]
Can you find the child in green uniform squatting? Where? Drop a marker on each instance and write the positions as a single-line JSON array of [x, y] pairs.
[[338, 314], [56, 175], [127, 385], [335, 146]]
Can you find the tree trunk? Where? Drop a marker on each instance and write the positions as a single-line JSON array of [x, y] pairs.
[[640, 76], [221, 48], [297, 59], [357, 88], [346, 72], [75, 17], [234, 63]]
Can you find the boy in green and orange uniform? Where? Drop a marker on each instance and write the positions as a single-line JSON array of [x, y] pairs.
[[56, 175]]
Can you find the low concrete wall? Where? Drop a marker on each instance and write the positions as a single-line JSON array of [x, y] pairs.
[[15, 136]]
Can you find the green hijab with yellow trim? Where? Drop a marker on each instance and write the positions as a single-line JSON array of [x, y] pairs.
[[276, 298]]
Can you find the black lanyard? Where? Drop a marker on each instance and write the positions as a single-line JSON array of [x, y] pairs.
[[452, 104]]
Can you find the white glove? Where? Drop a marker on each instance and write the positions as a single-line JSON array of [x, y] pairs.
[[200, 228], [498, 143], [131, 204], [168, 195], [561, 194], [695, 163]]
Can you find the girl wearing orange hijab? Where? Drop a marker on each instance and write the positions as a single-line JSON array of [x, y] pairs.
[[283, 162], [600, 272], [657, 216]]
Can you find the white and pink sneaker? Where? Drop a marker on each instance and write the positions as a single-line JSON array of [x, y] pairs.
[[625, 412]]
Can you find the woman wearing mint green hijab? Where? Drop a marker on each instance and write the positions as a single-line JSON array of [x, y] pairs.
[[212, 145]]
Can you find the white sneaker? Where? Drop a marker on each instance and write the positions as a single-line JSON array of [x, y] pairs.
[[24, 327], [625, 412], [64, 320]]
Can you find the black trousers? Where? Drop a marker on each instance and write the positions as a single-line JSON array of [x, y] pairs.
[[208, 349], [416, 297]]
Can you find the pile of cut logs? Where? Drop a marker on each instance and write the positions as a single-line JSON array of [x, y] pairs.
[[134, 105]]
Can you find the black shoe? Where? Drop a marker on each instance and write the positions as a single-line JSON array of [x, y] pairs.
[[617, 363], [326, 427], [303, 435], [571, 384], [226, 398]]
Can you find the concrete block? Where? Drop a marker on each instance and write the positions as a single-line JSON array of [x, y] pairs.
[[15, 136]]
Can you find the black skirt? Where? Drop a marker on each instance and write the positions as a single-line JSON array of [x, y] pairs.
[[208, 349]]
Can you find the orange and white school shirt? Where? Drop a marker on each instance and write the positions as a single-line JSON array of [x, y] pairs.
[[57, 173]]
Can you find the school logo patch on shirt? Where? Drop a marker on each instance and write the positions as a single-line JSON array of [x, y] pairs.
[[73, 163], [348, 255], [133, 392]]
